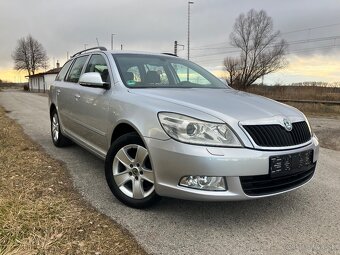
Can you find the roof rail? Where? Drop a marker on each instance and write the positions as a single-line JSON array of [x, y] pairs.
[[170, 54], [94, 48]]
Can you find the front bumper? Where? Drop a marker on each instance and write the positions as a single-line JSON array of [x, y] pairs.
[[172, 160]]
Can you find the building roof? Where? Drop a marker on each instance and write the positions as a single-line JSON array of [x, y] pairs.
[[51, 71]]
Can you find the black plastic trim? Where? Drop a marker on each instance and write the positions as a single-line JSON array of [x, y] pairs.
[[260, 185]]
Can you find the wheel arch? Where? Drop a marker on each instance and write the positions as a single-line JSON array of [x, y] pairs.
[[52, 108], [119, 130], [122, 129]]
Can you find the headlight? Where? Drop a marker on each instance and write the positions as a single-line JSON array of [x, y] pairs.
[[189, 130]]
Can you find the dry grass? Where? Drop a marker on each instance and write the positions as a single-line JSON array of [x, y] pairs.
[[317, 109], [303, 93], [297, 92], [40, 213]]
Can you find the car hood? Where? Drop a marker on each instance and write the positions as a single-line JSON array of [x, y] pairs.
[[222, 103]]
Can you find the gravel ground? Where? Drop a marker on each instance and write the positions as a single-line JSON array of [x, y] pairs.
[[305, 221], [327, 129]]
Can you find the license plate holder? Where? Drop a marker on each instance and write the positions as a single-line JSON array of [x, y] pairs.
[[287, 164]]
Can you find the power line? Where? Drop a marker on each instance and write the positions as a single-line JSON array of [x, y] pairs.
[[207, 46], [290, 43], [315, 48], [311, 28], [210, 45], [313, 40], [289, 53]]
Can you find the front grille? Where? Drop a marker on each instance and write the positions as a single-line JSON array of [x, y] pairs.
[[277, 136], [264, 184]]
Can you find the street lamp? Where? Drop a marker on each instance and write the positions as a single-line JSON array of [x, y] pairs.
[[189, 3], [112, 41]]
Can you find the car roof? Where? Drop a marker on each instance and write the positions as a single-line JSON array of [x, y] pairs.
[[138, 53], [120, 52]]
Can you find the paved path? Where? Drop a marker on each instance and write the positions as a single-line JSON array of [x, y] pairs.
[[302, 222]]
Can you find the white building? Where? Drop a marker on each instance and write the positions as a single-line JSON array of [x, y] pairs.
[[41, 82]]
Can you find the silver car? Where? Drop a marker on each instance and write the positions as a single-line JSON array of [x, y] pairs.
[[167, 127]]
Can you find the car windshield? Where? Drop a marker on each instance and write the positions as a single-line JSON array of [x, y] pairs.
[[153, 71]]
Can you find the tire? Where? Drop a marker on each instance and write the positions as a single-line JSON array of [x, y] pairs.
[[59, 140], [129, 173]]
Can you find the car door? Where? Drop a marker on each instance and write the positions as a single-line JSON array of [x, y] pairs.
[[58, 91], [93, 106], [69, 95]]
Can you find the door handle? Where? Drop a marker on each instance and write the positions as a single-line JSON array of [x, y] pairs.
[[58, 92], [77, 96]]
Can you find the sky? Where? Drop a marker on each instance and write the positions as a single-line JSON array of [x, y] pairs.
[[312, 29]]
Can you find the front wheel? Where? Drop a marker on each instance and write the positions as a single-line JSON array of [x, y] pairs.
[[129, 173]]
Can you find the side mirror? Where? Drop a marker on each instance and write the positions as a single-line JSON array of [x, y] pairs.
[[92, 79]]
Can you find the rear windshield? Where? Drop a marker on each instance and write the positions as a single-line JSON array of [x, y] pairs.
[[148, 71]]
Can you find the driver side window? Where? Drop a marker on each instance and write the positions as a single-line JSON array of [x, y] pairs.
[[76, 69], [98, 64]]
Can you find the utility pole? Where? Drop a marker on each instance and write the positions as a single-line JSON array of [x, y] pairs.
[[121, 47], [97, 41], [189, 3], [112, 41], [175, 48], [176, 44]]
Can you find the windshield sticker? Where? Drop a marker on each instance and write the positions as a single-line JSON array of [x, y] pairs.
[[131, 82]]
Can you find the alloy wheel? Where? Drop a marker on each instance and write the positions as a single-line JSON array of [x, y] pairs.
[[55, 127], [132, 171]]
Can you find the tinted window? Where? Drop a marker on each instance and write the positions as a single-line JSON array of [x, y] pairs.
[[98, 64], [76, 69], [132, 74], [143, 71], [187, 74], [63, 71], [159, 69]]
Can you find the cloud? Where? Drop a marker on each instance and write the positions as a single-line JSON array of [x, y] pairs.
[[65, 26], [320, 67]]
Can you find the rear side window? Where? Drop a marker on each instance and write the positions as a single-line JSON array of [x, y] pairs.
[[63, 71], [75, 72], [98, 64]]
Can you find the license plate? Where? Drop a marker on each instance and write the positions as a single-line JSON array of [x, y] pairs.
[[290, 163]]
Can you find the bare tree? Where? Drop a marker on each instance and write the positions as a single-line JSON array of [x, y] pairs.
[[262, 51], [29, 55], [233, 67]]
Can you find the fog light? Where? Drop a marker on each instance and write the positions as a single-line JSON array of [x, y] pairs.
[[203, 182]]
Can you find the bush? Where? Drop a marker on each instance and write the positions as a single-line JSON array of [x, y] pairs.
[[26, 87]]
